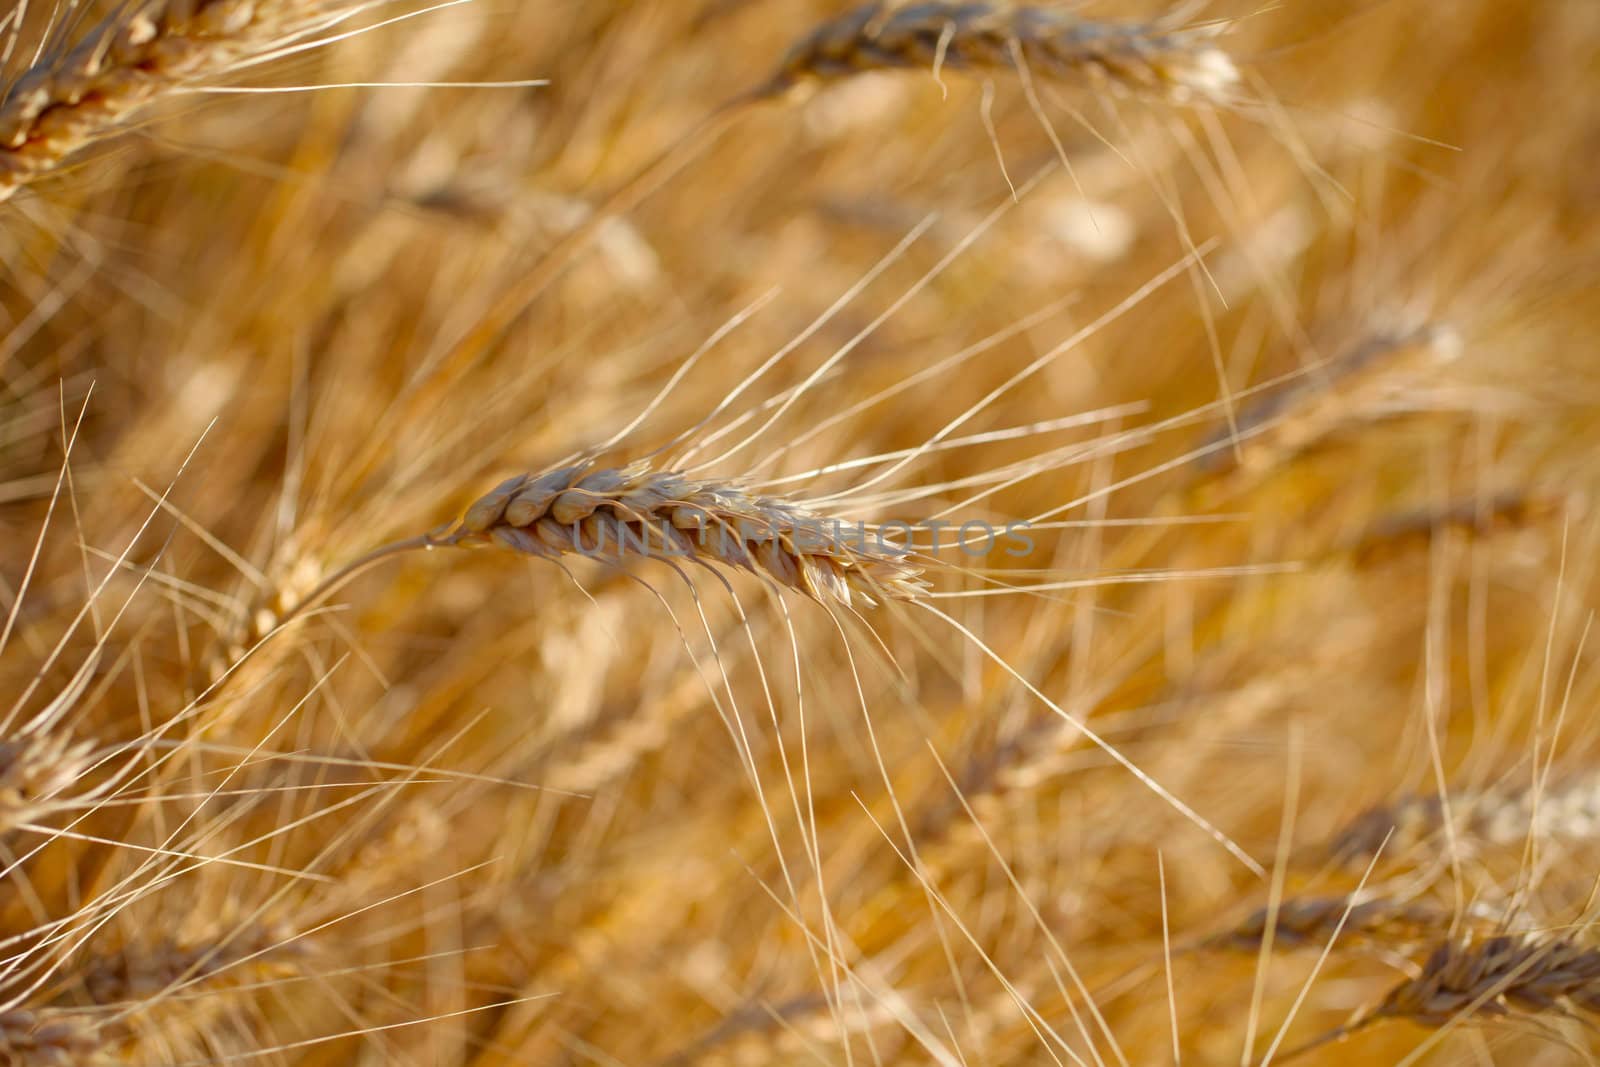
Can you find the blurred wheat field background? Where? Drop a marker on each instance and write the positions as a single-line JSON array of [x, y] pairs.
[[1272, 327]]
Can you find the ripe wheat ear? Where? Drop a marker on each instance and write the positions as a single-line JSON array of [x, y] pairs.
[[1120, 57], [617, 513], [1484, 979], [126, 63], [1498, 976]]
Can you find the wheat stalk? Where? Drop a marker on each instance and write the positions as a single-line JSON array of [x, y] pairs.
[[127, 62], [1132, 58]]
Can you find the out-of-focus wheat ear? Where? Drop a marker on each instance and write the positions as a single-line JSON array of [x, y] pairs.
[[1395, 535], [398, 848], [1485, 979], [1126, 58], [1396, 828], [1496, 977], [1501, 816], [143, 972], [168, 992], [35, 769], [1311, 922], [616, 514], [1387, 373], [48, 1039], [139, 54], [285, 590]]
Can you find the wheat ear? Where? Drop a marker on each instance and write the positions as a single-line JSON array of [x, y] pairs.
[[1500, 816], [127, 62], [1312, 922], [1496, 977], [1514, 509], [1467, 979], [47, 1039], [35, 768], [1125, 57], [143, 973], [615, 514]]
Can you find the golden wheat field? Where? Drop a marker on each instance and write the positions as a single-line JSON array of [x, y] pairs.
[[734, 532]]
